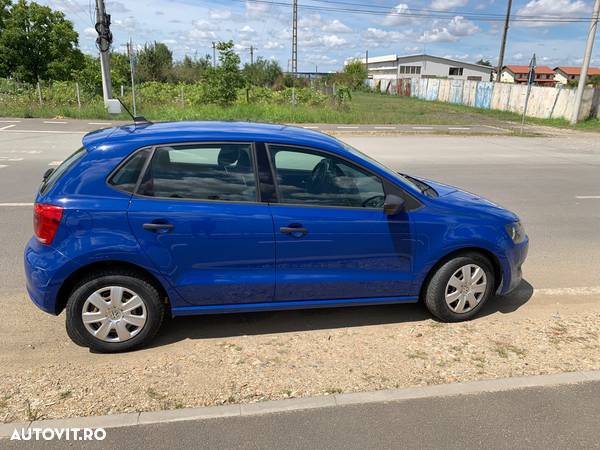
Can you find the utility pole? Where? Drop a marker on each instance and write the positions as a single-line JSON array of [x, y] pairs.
[[367, 63], [251, 55], [503, 44], [294, 48], [586, 62], [103, 42], [131, 54], [530, 81], [214, 54]]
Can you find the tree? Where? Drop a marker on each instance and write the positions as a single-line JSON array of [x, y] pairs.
[[484, 62], [354, 74], [89, 75], [224, 81], [155, 62], [262, 73], [191, 70], [36, 43]]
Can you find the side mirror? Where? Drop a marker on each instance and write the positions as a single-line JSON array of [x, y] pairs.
[[393, 205]]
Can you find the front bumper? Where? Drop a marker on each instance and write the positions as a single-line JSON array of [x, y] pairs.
[[512, 272]]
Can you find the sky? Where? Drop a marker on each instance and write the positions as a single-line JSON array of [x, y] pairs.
[[326, 37]]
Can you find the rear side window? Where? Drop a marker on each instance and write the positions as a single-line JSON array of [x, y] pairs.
[[201, 172], [126, 176], [60, 170]]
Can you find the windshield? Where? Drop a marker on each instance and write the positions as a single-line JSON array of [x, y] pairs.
[[406, 180]]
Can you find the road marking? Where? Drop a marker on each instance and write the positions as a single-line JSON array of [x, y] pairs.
[[584, 197], [47, 131], [55, 121], [15, 204], [422, 128], [385, 128], [99, 123], [311, 128], [7, 127], [459, 128], [347, 128], [590, 290], [10, 121], [55, 163]]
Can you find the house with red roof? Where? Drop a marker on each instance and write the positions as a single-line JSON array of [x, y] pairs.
[[544, 75], [564, 74]]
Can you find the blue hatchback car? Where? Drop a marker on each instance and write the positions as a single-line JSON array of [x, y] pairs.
[[215, 217]]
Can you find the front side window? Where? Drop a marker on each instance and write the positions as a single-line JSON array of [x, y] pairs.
[[314, 178], [201, 171]]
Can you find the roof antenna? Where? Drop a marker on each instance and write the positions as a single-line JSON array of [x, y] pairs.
[[136, 119]]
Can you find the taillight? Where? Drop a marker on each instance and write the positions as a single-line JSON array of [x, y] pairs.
[[46, 219]]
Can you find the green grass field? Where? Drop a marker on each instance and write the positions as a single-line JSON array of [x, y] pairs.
[[364, 108]]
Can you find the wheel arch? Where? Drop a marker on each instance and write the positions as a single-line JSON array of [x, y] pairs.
[[490, 256], [114, 265]]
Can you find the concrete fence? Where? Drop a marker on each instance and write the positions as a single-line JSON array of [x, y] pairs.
[[544, 102]]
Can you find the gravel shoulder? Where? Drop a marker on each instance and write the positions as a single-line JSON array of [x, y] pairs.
[[244, 358]]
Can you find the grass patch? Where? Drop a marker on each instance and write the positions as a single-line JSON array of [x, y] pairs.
[[364, 108], [503, 349], [417, 354], [32, 412], [334, 390]]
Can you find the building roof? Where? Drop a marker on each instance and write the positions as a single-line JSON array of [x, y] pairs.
[[570, 70], [170, 132], [394, 58], [525, 69]]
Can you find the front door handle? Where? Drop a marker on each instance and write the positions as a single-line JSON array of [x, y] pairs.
[[295, 230], [158, 226]]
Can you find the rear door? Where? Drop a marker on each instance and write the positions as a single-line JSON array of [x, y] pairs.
[[333, 239], [197, 216]]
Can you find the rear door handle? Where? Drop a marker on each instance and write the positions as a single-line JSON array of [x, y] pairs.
[[294, 230], [158, 226]]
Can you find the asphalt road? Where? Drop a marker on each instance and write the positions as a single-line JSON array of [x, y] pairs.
[[564, 417]]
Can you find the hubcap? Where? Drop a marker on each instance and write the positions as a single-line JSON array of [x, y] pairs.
[[114, 314], [466, 288]]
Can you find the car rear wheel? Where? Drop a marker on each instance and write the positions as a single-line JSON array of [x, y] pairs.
[[113, 312], [460, 287]]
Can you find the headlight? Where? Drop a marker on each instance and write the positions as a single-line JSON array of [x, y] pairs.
[[516, 232]]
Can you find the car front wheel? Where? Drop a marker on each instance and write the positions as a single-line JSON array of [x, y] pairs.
[[113, 312], [460, 287]]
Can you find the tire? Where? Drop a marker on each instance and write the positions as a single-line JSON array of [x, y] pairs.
[[128, 327], [438, 286]]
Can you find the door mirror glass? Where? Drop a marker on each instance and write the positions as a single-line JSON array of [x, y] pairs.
[[393, 205]]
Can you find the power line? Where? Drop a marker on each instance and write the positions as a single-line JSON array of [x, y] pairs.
[[485, 17]]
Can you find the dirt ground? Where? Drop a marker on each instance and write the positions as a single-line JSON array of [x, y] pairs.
[[223, 359]]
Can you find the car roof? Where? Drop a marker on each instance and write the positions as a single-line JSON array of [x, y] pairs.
[[170, 132]]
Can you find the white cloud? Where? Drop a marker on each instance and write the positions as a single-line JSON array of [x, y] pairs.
[[257, 9], [437, 35], [90, 32], [518, 56], [558, 8], [335, 26], [128, 24], [445, 5], [459, 26], [382, 35], [219, 14], [269, 45], [397, 15], [332, 40], [247, 29]]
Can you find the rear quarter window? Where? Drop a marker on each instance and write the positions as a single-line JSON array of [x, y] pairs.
[[60, 170], [126, 176]]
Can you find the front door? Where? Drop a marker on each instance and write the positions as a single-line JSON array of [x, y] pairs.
[[197, 217], [333, 240]]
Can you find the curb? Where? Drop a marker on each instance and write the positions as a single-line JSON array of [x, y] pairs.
[[296, 404]]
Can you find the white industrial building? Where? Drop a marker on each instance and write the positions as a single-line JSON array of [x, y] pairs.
[[392, 67]]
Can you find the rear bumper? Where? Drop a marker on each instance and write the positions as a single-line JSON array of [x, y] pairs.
[[41, 266], [512, 272]]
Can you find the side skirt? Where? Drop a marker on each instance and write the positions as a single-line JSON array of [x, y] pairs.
[[275, 306]]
